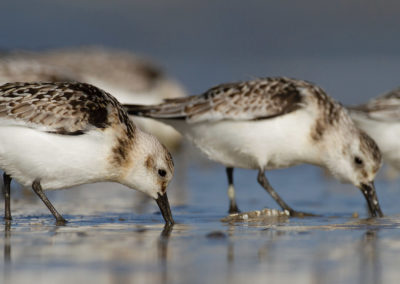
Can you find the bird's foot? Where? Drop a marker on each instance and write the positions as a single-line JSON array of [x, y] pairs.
[[61, 222], [233, 209]]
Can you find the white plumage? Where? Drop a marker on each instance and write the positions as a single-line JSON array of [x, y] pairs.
[[274, 123], [58, 135]]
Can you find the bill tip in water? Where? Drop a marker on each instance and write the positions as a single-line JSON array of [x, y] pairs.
[[163, 204]]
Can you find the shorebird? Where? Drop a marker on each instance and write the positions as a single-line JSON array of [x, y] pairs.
[[380, 118], [274, 123], [58, 135], [130, 78]]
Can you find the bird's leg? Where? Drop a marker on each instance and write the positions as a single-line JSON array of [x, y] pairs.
[[263, 181], [37, 188], [7, 194], [233, 208]]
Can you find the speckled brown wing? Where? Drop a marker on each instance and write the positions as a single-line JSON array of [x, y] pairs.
[[63, 108], [251, 100], [383, 108]]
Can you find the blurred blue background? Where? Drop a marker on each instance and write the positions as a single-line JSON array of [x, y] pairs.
[[350, 48]]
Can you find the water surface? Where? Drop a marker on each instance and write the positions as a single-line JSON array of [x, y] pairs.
[[116, 235]]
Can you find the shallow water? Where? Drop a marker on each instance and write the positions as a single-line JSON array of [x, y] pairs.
[[116, 235]]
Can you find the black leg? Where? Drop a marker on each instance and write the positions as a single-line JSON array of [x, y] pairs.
[[37, 188], [233, 208], [263, 181], [7, 193]]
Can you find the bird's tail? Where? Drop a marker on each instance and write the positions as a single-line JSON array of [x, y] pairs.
[[358, 112], [171, 109]]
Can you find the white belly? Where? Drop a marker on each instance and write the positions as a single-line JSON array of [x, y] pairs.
[[267, 144], [58, 161]]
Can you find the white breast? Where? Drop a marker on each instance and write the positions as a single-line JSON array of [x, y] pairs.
[[270, 143], [57, 160]]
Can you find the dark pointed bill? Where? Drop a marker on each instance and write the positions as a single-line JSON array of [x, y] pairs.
[[162, 202], [368, 190]]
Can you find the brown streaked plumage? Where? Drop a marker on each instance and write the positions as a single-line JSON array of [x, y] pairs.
[[272, 123], [62, 134], [252, 100], [62, 108]]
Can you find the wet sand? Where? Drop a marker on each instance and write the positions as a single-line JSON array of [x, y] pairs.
[[115, 235]]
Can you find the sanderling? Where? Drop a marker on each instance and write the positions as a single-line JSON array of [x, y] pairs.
[[274, 123], [131, 79], [58, 135], [380, 118]]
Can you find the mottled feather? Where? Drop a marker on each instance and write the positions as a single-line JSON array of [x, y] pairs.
[[64, 108], [383, 108], [251, 100]]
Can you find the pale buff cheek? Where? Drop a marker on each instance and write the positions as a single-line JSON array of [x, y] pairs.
[[149, 163], [163, 185], [368, 175], [374, 173], [121, 156], [364, 174]]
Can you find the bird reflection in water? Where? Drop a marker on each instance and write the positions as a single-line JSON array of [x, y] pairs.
[[370, 261], [163, 242], [163, 252], [7, 251], [7, 244]]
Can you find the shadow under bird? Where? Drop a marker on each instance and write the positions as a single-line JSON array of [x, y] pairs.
[[58, 135], [273, 123], [380, 118]]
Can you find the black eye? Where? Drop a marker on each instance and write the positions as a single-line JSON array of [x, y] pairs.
[[358, 161], [162, 172]]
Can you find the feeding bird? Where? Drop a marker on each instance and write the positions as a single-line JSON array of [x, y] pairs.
[[273, 123], [59, 135]]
